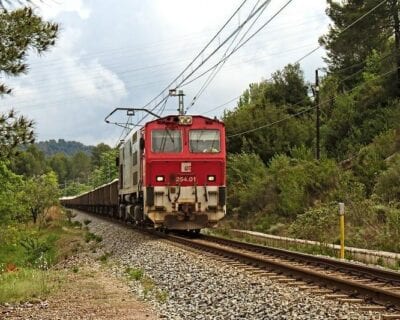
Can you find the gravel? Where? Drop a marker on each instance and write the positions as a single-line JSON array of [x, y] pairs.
[[181, 284]]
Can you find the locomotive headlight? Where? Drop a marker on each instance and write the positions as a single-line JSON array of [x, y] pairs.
[[211, 178], [185, 120], [159, 178]]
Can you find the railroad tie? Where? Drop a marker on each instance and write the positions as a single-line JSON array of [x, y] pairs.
[[321, 291], [351, 300], [390, 316], [335, 296], [286, 280], [308, 287], [373, 308]]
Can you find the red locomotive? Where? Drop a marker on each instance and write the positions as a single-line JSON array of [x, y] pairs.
[[172, 173]]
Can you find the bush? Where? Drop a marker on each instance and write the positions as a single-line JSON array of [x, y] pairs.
[[318, 224], [134, 273], [246, 180], [39, 252], [299, 183], [388, 182], [89, 236]]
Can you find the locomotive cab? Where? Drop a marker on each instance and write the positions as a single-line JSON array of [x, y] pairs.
[[184, 172]]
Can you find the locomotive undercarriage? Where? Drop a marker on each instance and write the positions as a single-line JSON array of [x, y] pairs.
[[174, 208]]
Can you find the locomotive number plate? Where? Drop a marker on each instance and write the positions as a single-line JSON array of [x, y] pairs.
[[186, 167], [180, 179]]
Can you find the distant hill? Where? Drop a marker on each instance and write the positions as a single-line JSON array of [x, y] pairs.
[[52, 146]]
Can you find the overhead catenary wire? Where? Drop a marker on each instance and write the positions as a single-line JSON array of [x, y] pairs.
[[241, 45], [308, 109], [51, 102], [204, 60], [219, 67], [315, 49], [345, 29]]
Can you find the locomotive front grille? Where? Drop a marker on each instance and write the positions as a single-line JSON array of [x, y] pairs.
[[187, 208]]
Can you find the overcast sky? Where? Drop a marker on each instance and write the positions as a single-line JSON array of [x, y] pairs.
[[123, 53]]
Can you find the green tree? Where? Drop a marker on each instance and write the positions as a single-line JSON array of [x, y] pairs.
[[61, 165], [107, 170], [97, 152], [22, 31], [41, 193], [288, 88], [31, 162], [348, 50], [246, 180], [271, 102], [11, 206], [15, 131], [80, 166]]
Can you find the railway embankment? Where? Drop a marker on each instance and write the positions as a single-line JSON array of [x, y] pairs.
[[185, 284], [382, 258]]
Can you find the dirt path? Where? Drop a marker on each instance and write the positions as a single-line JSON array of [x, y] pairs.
[[87, 291]]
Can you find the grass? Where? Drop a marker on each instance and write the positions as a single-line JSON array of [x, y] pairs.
[[89, 236], [28, 251], [104, 258], [134, 273], [27, 284], [148, 285]]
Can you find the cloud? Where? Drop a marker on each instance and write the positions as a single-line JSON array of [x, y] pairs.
[[53, 9], [123, 54]]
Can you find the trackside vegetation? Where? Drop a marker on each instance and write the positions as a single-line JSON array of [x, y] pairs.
[[276, 184]]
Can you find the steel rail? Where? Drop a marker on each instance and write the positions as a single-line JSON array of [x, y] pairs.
[[373, 273], [352, 287]]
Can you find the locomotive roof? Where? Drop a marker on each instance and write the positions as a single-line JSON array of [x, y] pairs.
[[177, 115], [132, 132]]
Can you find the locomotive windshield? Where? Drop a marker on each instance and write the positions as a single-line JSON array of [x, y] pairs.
[[166, 141], [204, 141]]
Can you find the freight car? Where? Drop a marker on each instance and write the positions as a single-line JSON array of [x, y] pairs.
[[172, 174]]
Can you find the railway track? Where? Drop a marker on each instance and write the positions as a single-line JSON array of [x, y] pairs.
[[343, 279]]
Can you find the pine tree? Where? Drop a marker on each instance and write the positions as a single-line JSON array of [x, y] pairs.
[[348, 50]]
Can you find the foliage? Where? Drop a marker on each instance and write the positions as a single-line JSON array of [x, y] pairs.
[[270, 103], [68, 148], [97, 153], [299, 183], [11, 205], [106, 170], [134, 273], [23, 285], [75, 188], [22, 31], [387, 186], [347, 51], [41, 192], [318, 224], [246, 179], [14, 131], [30, 162], [370, 160], [89, 236]]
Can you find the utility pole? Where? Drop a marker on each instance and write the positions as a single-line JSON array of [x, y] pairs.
[[180, 95], [395, 10], [317, 123]]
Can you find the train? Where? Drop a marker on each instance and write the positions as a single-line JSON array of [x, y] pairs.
[[172, 176]]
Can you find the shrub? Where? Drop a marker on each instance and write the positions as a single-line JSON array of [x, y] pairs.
[[388, 182], [299, 184], [89, 236], [246, 180], [134, 273], [318, 224]]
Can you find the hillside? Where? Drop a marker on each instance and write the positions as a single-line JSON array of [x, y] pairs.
[[69, 148]]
